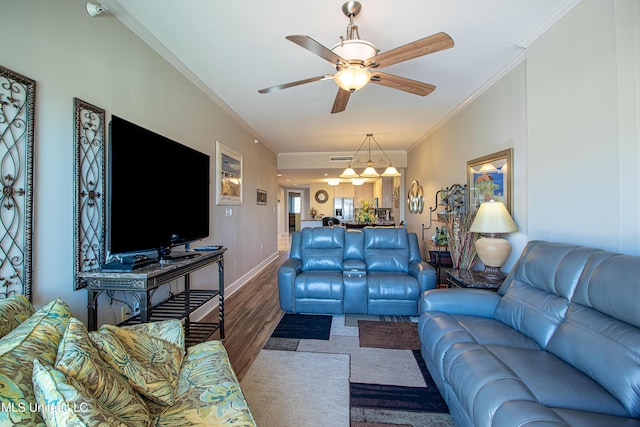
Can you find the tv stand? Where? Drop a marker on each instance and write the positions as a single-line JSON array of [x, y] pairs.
[[146, 280]]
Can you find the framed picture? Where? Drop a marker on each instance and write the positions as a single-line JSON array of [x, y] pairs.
[[261, 197], [228, 176], [490, 177]]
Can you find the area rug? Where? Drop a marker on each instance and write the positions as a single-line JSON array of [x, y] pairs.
[[307, 326], [400, 335], [339, 382]]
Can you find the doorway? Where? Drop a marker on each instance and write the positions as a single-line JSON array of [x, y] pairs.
[[295, 207]]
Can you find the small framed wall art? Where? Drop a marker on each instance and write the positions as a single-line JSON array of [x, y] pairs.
[[261, 197], [228, 176]]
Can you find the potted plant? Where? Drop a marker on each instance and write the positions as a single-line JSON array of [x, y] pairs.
[[461, 240], [367, 212]]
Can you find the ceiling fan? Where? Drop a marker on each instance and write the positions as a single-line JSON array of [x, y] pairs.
[[357, 61]]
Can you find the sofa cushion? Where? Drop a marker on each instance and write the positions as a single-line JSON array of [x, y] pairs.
[[169, 330], [605, 349], [533, 312], [322, 248], [208, 392], [439, 331], [594, 287], [557, 384], [13, 311], [538, 289], [386, 249], [320, 285], [65, 402], [392, 286], [151, 365], [79, 359], [38, 336], [354, 245]]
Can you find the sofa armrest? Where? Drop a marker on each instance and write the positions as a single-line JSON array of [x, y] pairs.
[[424, 274], [286, 282], [293, 265], [472, 302], [354, 265]]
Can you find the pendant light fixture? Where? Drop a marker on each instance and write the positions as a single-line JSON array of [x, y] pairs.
[[370, 171]]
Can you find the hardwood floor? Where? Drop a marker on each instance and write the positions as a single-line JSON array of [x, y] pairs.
[[251, 314]]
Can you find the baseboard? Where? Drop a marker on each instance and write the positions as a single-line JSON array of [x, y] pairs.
[[201, 312]]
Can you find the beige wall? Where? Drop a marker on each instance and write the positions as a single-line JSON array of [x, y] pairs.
[[493, 122], [571, 113], [100, 61], [583, 91]]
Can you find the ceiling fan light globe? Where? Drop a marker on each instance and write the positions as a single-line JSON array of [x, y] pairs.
[[391, 171], [352, 79], [349, 173], [369, 172], [355, 50]]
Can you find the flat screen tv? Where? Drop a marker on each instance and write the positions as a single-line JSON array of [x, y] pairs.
[[158, 194]]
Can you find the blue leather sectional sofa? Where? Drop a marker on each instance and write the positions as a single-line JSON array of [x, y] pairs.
[[369, 271], [557, 345]]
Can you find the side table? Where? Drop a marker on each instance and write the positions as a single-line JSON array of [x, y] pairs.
[[470, 279]]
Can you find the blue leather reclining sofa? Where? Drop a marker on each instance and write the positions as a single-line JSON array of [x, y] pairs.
[[557, 345], [368, 271]]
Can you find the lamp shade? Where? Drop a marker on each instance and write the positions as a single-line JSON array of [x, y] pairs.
[[493, 217], [391, 171], [349, 173], [355, 50], [369, 172], [352, 78]]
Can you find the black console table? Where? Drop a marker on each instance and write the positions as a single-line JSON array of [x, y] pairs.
[[146, 280]]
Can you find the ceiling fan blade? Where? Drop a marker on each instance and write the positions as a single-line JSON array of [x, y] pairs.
[[425, 46], [402, 83], [340, 103], [292, 84], [315, 47]]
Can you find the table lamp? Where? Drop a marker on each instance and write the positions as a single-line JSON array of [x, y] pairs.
[[492, 220]]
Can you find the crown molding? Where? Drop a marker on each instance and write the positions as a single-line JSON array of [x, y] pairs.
[[518, 57]]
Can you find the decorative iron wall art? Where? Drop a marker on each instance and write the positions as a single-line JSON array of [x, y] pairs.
[[17, 114], [89, 188]]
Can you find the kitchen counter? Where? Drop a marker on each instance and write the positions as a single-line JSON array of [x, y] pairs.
[[305, 223]]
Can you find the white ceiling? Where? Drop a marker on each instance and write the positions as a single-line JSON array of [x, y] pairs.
[[231, 49]]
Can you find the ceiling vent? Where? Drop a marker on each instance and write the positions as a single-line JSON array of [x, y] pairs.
[[340, 158]]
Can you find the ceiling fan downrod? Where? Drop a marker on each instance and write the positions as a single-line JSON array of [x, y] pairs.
[[351, 9]]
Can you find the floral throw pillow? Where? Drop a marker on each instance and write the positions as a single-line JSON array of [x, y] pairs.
[[79, 359], [63, 401], [38, 336], [151, 365], [13, 311], [169, 330]]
